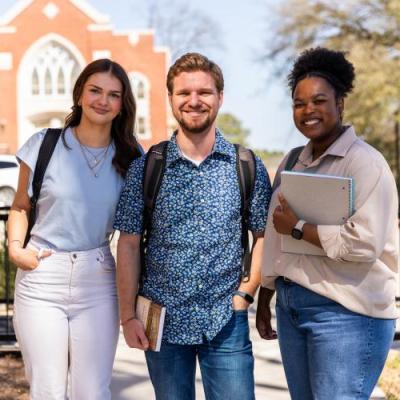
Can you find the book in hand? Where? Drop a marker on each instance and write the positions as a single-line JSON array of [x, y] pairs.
[[317, 199], [152, 316]]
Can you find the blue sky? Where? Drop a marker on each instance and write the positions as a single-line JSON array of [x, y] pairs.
[[265, 110]]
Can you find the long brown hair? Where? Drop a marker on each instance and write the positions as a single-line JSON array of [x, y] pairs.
[[122, 128]]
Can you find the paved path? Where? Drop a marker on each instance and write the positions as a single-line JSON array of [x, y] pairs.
[[131, 382]]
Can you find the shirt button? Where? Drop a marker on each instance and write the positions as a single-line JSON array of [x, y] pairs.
[[201, 173], [74, 255], [200, 286], [202, 200]]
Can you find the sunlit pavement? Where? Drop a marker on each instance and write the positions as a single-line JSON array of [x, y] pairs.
[[131, 382]]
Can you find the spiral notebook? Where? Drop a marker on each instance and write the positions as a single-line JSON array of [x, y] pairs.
[[318, 199]]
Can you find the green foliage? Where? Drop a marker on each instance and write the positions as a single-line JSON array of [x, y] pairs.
[[4, 262], [270, 158], [232, 128], [369, 32]]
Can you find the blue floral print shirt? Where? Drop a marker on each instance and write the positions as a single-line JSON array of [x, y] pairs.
[[194, 252]]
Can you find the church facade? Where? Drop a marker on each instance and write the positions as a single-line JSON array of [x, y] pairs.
[[43, 47]]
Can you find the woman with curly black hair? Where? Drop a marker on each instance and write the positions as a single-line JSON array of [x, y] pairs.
[[335, 313]]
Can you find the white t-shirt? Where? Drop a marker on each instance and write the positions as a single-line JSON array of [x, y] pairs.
[[75, 210]]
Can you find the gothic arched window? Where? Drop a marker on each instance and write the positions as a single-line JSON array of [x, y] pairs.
[[54, 71], [141, 91]]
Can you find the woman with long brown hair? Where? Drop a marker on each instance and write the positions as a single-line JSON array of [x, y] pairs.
[[66, 314]]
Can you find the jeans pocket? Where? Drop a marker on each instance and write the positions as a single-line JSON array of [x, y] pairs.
[[107, 264]]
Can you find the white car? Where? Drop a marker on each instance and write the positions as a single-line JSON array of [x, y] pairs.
[[9, 169]]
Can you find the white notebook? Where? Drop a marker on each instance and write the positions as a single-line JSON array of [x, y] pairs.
[[317, 199]]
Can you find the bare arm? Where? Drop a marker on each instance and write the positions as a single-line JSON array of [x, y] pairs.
[[128, 274], [263, 318], [17, 225], [252, 285]]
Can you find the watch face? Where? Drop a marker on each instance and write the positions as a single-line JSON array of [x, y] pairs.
[[297, 234]]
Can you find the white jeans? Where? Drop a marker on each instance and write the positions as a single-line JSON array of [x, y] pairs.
[[66, 321]]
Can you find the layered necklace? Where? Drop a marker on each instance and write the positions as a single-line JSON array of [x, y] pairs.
[[94, 161]]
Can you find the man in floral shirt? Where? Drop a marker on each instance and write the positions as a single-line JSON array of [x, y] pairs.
[[193, 259]]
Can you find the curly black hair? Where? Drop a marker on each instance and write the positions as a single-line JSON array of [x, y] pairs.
[[325, 63]]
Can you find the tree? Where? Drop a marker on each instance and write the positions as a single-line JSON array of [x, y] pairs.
[[232, 128], [369, 31], [182, 28]]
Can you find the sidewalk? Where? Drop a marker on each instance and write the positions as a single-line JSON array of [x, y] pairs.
[[130, 377]]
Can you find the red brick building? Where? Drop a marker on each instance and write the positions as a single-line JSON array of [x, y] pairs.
[[44, 44]]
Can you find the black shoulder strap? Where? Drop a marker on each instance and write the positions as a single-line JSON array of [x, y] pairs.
[[246, 172], [290, 163], [293, 157], [154, 167], [45, 152]]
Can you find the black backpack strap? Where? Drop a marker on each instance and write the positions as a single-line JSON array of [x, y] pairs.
[[290, 163], [246, 171], [154, 167], [45, 152]]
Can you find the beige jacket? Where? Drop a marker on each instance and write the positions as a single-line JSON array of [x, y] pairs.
[[361, 268]]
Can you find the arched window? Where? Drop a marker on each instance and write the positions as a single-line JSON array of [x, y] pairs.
[[35, 82], [141, 94], [54, 71], [141, 91], [60, 82], [74, 74], [141, 126], [47, 82]]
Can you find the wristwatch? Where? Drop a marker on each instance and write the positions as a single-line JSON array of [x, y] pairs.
[[297, 231], [244, 295]]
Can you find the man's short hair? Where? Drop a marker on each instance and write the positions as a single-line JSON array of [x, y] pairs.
[[191, 62]]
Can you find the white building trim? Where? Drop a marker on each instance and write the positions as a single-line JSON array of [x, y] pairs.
[[6, 61], [90, 11], [14, 11], [81, 5], [99, 27], [97, 54], [8, 29]]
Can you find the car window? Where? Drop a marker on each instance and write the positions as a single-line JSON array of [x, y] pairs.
[[8, 164]]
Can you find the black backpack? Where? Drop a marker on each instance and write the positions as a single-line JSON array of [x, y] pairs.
[[154, 168], [45, 152]]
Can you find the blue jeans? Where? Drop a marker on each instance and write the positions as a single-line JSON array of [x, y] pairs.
[[226, 364], [328, 352]]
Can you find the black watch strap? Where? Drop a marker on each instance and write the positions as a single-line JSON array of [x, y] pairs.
[[246, 296]]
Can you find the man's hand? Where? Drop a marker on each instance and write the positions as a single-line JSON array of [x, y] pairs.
[[263, 317], [284, 219], [135, 335]]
